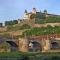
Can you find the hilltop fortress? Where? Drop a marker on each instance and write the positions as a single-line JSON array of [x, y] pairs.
[[29, 15]]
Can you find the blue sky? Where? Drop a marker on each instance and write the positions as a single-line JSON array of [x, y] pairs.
[[14, 9]]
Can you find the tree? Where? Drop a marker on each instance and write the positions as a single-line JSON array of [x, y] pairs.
[[38, 15], [5, 46], [15, 22], [8, 23], [1, 24], [11, 22], [25, 11], [32, 16]]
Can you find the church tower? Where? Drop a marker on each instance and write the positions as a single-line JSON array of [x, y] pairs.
[[45, 12], [26, 15], [34, 11]]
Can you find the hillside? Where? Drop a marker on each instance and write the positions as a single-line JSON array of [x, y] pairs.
[[38, 24]]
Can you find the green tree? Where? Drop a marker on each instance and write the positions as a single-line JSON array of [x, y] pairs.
[[1, 24]]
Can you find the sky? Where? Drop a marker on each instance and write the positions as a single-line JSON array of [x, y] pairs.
[[14, 9]]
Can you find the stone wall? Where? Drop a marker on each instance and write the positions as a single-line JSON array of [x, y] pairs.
[[23, 45], [45, 25], [2, 29]]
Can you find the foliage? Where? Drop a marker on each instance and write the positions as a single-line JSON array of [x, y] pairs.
[[11, 22], [48, 20], [32, 16], [25, 26], [15, 28], [15, 22], [1, 24], [4, 45], [30, 55], [43, 31], [19, 36], [38, 15], [6, 35]]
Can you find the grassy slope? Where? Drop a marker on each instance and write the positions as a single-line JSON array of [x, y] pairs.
[[48, 20], [43, 31], [19, 29]]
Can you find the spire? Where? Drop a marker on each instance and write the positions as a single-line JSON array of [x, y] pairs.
[[25, 11]]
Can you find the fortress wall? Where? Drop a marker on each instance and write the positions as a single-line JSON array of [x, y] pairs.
[[45, 25]]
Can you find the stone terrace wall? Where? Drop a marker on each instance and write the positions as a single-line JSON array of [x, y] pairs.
[[44, 37], [45, 25], [2, 29]]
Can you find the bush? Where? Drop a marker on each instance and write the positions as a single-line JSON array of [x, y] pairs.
[[48, 20], [25, 26]]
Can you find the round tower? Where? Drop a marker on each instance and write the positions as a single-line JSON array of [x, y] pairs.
[[45, 12]]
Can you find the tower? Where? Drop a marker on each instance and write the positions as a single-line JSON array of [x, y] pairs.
[[45, 12], [26, 15], [25, 11], [34, 11]]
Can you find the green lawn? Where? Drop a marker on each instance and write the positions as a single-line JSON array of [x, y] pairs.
[[18, 54], [30, 55]]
